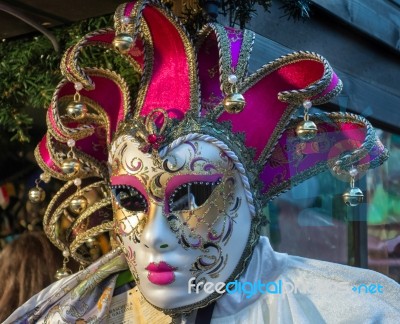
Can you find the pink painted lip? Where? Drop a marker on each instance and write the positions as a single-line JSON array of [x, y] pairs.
[[161, 274]]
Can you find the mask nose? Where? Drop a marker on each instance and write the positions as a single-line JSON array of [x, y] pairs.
[[157, 234]]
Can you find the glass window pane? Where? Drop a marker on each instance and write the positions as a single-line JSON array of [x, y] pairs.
[[384, 211]]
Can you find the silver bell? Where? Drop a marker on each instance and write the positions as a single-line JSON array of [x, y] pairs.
[[353, 196], [306, 130]]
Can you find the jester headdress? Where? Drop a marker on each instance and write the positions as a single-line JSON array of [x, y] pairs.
[[198, 95]]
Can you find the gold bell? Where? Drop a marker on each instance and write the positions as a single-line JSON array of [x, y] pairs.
[[234, 103], [91, 242], [353, 196], [78, 204], [77, 110], [71, 166], [36, 195], [123, 42], [306, 130], [62, 273]]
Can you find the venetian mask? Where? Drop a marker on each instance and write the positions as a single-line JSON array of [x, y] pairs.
[[183, 220], [187, 195]]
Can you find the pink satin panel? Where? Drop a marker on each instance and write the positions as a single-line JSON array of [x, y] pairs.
[[110, 97], [235, 39], [45, 155], [263, 110], [207, 56], [291, 156], [137, 52], [332, 85], [128, 8], [53, 122], [94, 145], [169, 87], [107, 38]]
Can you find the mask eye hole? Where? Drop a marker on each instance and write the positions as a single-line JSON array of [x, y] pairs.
[[129, 198], [191, 195]]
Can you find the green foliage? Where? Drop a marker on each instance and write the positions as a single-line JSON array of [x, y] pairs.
[[239, 12], [296, 9], [14, 122], [29, 72], [194, 18]]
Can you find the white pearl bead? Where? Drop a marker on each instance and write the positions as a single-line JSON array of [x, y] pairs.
[[307, 104], [232, 79], [77, 182], [71, 143], [126, 20], [45, 177], [65, 253], [353, 172], [78, 86]]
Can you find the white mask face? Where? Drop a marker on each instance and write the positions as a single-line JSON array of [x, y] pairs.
[[180, 217]]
